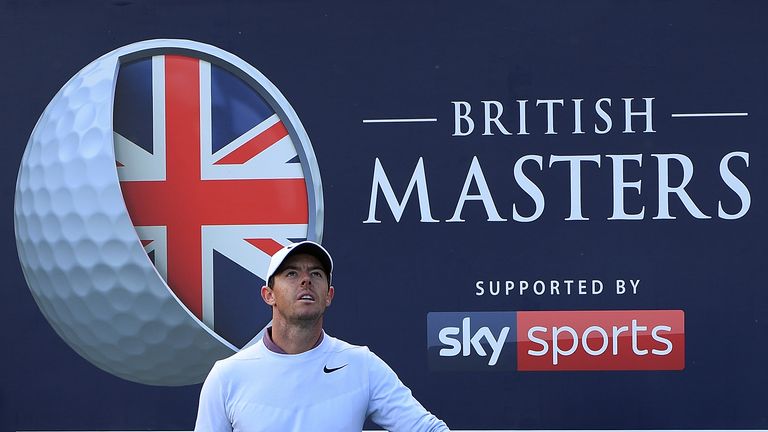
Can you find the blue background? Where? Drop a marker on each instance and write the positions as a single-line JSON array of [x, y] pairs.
[[341, 62]]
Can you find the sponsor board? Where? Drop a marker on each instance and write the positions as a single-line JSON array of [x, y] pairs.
[[601, 340], [583, 183], [556, 340]]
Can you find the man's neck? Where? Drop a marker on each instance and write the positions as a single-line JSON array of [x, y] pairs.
[[296, 339]]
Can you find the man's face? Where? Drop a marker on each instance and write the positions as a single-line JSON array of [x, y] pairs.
[[300, 291]]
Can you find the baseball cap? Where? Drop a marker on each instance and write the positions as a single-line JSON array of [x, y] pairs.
[[306, 247]]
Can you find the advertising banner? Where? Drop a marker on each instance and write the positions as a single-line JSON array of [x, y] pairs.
[[542, 215]]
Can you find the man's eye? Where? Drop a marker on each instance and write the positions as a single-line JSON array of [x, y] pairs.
[[291, 273], [317, 274]]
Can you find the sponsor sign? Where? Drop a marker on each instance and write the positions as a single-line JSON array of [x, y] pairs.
[[601, 340], [471, 341], [571, 195], [556, 340]]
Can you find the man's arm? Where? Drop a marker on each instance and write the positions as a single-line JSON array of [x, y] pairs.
[[212, 411], [391, 404]]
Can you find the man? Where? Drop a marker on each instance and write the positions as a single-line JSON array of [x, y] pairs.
[[297, 378]]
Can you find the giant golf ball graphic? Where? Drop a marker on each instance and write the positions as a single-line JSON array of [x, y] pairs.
[[80, 253]]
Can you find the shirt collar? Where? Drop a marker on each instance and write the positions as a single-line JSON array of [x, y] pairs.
[[272, 346]]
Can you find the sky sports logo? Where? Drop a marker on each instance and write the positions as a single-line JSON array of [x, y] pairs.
[[556, 340]]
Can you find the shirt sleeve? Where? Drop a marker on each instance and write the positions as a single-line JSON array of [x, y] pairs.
[[391, 404], [212, 410]]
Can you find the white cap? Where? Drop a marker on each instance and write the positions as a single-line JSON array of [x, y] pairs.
[[307, 247]]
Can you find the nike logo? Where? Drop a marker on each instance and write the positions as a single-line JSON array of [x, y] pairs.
[[326, 369]]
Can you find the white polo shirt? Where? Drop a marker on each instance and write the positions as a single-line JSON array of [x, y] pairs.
[[332, 387]]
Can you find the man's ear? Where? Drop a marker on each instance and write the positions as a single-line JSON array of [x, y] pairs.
[[329, 297], [267, 295]]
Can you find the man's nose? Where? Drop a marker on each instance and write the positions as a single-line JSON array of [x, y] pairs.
[[305, 278]]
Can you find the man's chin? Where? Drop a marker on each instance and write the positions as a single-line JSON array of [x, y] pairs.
[[309, 319]]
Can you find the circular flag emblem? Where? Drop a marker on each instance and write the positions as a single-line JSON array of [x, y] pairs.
[[152, 193]]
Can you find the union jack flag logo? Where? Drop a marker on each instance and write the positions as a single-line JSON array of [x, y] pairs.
[[214, 180]]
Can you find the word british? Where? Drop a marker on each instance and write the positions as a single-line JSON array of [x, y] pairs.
[[492, 123]]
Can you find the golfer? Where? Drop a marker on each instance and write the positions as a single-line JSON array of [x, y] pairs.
[[297, 378]]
